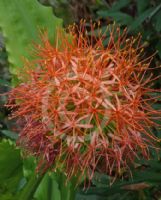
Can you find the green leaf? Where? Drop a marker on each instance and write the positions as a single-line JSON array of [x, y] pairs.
[[4, 82], [48, 189], [119, 17], [56, 186], [149, 176], [8, 196], [140, 19], [91, 197], [10, 134], [30, 187], [158, 48], [142, 5], [10, 167], [29, 165], [21, 21], [117, 5], [157, 23], [67, 188]]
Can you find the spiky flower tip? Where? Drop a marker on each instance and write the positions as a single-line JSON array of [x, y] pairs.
[[84, 106]]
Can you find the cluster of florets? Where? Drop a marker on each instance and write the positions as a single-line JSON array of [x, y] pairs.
[[84, 106]]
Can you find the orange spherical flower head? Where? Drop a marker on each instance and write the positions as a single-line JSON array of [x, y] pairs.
[[85, 106]]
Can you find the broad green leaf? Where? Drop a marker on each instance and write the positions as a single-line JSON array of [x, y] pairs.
[[141, 179], [116, 196], [101, 180], [10, 134], [90, 197], [48, 189], [140, 19], [142, 5], [154, 164], [62, 9], [157, 23], [67, 188], [117, 5], [149, 176], [4, 82], [29, 165], [21, 21], [56, 186], [8, 196], [10, 167], [119, 17]]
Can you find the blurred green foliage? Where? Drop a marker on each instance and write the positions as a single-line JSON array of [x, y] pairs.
[[11, 169], [19, 20]]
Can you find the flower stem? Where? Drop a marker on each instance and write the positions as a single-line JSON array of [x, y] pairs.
[[30, 188]]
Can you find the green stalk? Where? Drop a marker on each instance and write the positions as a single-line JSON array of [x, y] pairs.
[[31, 187], [57, 183], [67, 189]]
